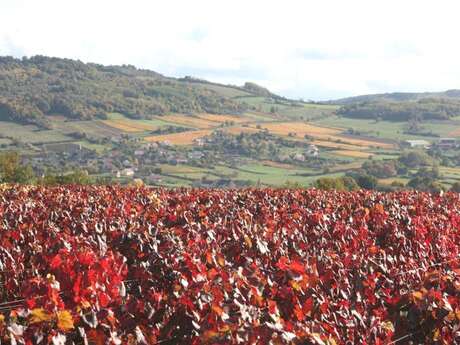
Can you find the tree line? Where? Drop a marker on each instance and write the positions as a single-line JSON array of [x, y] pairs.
[[423, 109]]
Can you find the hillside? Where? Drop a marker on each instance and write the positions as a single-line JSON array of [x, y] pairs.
[[34, 87], [421, 109], [397, 97], [120, 123]]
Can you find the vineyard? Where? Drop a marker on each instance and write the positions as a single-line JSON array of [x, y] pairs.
[[112, 265]]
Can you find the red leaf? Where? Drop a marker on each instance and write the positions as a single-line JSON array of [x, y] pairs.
[[56, 262]]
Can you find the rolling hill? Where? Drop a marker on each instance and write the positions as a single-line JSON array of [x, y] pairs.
[[397, 97], [400, 106], [31, 88]]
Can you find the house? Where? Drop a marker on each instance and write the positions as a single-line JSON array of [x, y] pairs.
[[128, 172], [195, 155], [199, 141], [447, 143], [416, 144], [299, 157], [149, 146], [312, 151]]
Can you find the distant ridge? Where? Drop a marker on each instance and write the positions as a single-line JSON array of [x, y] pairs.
[[396, 97]]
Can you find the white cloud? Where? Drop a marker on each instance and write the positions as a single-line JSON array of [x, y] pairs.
[[310, 49]]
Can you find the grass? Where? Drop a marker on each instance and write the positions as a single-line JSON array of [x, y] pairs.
[[288, 110], [180, 168], [387, 129], [93, 128], [224, 90], [334, 145], [126, 124], [96, 147], [30, 133], [270, 175]]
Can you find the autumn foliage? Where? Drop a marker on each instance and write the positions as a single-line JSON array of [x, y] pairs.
[[112, 265]]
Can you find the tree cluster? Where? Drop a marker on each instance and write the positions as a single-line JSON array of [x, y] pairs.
[[424, 109]]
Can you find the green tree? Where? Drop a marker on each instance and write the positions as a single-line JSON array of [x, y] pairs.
[[426, 184], [350, 183], [366, 181], [12, 171], [413, 159], [292, 185], [338, 183], [455, 187], [79, 177], [329, 183]]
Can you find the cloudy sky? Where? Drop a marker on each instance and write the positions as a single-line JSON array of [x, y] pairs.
[[307, 49]]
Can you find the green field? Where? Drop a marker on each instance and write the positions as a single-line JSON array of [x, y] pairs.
[[30, 133], [289, 110], [386, 129]]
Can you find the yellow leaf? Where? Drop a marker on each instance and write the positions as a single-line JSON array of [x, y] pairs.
[[40, 315], [65, 320], [248, 241], [221, 260], [210, 335], [388, 325], [218, 310], [224, 329], [436, 334], [2, 319], [418, 295], [85, 304], [331, 341], [296, 286]]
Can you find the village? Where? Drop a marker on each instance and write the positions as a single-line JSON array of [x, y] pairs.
[[128, 158]]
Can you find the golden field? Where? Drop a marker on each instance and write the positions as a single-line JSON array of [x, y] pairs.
[[329, 134], [187, 138], [184, 138], [189, 120], [223, 118], [240, 129], [130, 126], [299, 128], [354, 154]]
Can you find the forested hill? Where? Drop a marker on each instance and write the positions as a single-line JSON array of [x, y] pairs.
[[31, 88], [397, 97], [423, 109], [402, 106]]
